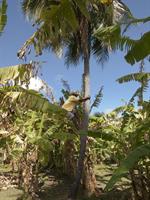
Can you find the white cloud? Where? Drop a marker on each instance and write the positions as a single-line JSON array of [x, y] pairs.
[[36, 84]]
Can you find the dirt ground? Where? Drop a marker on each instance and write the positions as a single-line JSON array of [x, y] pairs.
[[55, 188]]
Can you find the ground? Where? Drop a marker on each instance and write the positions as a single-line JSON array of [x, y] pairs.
[[57, 188]]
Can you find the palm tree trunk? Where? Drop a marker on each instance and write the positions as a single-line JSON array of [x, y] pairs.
[[86, 108]]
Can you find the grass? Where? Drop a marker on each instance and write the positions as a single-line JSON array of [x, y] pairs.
[[5, 168], [10, 194]]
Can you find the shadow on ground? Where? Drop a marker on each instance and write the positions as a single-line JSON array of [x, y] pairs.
[[55, 188]]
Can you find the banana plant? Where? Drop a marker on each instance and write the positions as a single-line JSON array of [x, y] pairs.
[[133, 150], [136, 50], [14, 81], [129, 163], [33, 126], [18, 74], [140, 77]]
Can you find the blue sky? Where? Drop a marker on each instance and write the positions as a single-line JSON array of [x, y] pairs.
[[18, 29]]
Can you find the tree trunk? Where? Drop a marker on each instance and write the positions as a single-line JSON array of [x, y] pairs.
[[28, 174], [89, 179], [86, 106], [70, 160]]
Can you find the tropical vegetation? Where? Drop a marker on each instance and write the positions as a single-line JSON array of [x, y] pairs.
[[37, 137]]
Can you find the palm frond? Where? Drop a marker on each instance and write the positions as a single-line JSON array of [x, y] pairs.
[[3, 16], [66, 85], [119, 109], [82, 5], [112, 35], [34, 8], [73, 50], [98, 99], [100, 50], [45, 37], [121, 13]]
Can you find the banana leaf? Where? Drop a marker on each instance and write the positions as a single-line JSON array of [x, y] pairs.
[[128, 164]]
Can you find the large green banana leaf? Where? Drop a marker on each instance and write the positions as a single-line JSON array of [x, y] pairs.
[[139, 50], [18, 73], [128, 164], [134, 77], [28, 99]]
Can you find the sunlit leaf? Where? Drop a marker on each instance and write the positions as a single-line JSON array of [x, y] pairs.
[[128, 164]]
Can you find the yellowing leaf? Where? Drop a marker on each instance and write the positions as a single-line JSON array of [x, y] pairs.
[[106, 1]]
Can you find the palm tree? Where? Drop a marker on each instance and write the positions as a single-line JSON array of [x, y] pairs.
[[71, 24], [3, 16]]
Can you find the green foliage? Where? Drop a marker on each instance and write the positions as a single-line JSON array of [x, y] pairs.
[[32, 126], [139, 50], [35, 8], [34, 130], [111, 33], [29, 99], [55, 35], [120, 132], [107, 136], [3, 16], [113, 36], [48, 15], [97, 100], [134, 77], [19, 74], [128, 164], [82, 5], [142, 78], [122, 136], [105, 130], [35, 122]]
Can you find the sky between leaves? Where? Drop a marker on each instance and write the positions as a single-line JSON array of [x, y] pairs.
[[18, 29]]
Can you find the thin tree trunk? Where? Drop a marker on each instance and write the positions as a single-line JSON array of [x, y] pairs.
[[134, 187], [86, 108], [28, 174], [143, 188]]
